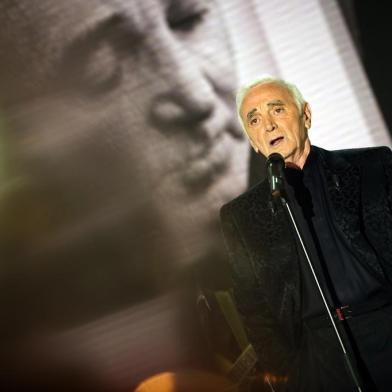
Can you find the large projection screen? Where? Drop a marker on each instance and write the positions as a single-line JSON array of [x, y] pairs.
[[119, 143]]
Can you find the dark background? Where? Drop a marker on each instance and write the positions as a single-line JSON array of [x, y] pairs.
[[371, 29]]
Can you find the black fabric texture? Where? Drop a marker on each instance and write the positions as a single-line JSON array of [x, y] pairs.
[[266, 260]]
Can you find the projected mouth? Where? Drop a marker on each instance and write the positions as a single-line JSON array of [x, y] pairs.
[[202, 170], [276, 141]]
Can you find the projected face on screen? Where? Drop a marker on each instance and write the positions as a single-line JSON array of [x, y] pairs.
[[120, 114]]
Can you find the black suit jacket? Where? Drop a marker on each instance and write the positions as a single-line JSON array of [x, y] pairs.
[[264, 254]]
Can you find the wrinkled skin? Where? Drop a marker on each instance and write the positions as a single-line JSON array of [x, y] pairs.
[[120, 137], [119, 144], [275, 124]]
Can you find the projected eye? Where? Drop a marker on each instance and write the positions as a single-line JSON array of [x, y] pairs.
[[92, 60], [186, 17], [188, 23]]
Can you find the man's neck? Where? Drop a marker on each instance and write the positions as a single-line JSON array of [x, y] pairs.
[[299, 163]]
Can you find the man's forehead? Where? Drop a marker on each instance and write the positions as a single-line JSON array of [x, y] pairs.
[[266, 92], [265, 95], [58, 15], [68, 20]]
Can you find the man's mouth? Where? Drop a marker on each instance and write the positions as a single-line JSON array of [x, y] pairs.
[[203, 169], [276, 141]]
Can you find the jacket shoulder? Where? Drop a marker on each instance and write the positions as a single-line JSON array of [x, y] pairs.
[[342, 158], [353, 152], [256, 195]]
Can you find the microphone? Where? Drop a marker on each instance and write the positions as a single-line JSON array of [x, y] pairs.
[[275, 165]]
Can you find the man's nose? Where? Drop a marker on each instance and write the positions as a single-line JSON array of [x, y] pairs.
[[181, 105], [186, 95], [269, 124]]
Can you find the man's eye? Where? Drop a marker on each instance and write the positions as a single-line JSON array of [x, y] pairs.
[[187, 22], [92, 60], [279, 110], [254, 121]]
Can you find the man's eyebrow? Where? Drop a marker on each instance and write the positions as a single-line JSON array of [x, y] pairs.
[[97, 25], [251, 113], [275, 102]]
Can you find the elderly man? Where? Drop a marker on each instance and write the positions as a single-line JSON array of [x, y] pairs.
[[342, 203]]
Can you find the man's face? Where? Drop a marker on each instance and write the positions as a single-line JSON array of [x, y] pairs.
[[274, 123], [121, 106]]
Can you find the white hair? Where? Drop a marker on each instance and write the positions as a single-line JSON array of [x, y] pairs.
[[291, 88]]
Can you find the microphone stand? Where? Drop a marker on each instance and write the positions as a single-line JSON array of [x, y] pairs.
[[275, 166]]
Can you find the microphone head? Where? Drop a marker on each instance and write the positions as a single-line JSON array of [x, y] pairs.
[[275, 174], [275, 159]]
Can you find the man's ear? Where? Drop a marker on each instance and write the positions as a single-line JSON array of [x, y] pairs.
[[307, 115]]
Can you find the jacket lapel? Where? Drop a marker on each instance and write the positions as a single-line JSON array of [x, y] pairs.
[[342, 178], [272, 248]]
